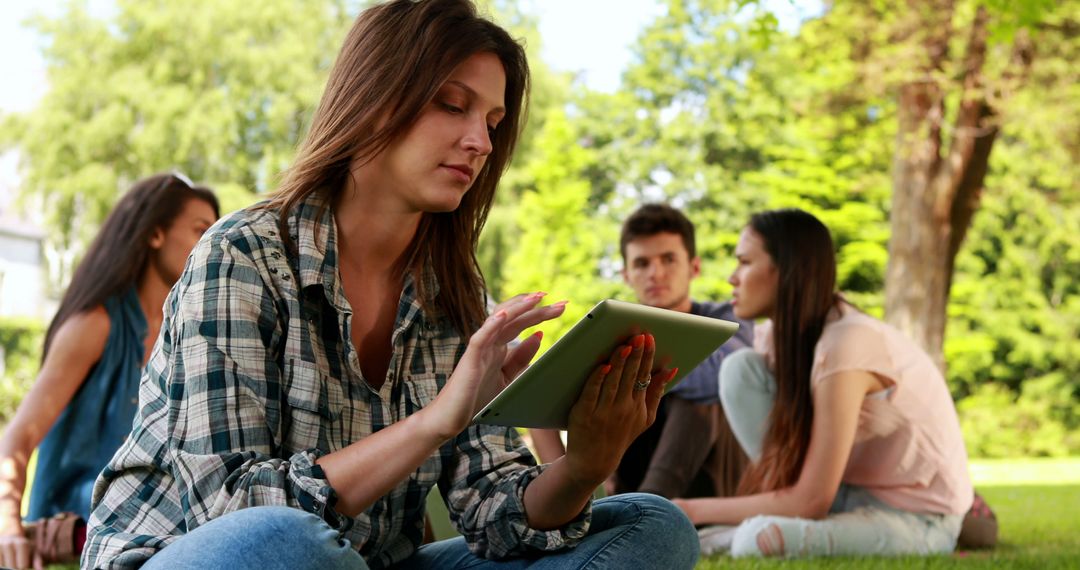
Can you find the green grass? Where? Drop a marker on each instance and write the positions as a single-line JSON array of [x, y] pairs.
[[1037, 502]]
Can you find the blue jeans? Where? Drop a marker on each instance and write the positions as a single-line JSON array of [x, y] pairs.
[[627, 531]]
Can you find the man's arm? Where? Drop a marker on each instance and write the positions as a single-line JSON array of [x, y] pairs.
[[548, 444], [695, 421]]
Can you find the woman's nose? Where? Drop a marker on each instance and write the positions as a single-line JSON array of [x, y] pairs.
[[477, 138]]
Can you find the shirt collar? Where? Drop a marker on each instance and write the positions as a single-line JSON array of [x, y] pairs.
[[314, 231], [311, 226]]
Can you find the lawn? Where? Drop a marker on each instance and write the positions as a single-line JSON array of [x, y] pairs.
[[1038, 507], [1037, 502]]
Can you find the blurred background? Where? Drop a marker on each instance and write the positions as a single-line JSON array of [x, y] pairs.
[[939, 140]]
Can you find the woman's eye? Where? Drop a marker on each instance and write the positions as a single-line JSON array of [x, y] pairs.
[[491, 131], [452, 108]]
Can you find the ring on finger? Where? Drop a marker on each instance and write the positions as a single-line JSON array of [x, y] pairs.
[[639, 386]]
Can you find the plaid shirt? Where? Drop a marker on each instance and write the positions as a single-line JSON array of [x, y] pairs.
[[254, 378]]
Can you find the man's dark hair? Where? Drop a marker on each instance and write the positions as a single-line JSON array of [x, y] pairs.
[[652, 219]]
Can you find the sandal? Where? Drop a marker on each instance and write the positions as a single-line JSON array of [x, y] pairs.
[[54, 538]]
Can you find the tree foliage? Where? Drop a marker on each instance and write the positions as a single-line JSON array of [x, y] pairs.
[[220, 90], [722, 113]]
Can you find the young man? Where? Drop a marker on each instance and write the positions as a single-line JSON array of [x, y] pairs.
[[689, 451]]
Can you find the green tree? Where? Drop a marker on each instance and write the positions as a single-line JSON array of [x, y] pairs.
[[718, 116], [723, 119], [548, 90], [220, 90], [562, 241], [949, 112]]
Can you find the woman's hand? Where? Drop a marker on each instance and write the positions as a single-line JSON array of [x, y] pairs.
[[488, 364], [689, 507], [618, 402], [16, 551]]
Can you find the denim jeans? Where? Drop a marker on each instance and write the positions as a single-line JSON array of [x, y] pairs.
[[858, 523], [627, 531]]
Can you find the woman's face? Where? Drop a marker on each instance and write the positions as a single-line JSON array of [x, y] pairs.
[[432, 165], [755, 279], [171, 246]]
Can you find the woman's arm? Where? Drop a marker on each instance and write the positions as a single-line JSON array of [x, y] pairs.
[[371, 467], [77, 345], [220, 383], [837, 401]]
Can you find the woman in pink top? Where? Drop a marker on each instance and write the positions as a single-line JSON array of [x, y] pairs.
[[854, 436]]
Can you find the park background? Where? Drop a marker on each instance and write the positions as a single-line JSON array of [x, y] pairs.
[[938, 139]]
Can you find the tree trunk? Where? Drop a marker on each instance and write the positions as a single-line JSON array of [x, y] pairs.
[[916, 280], [935, 195]]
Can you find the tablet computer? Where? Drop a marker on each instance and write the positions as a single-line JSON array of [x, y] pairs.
[[542, 395]]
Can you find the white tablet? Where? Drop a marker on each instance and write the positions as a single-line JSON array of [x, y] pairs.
[[541, 397]]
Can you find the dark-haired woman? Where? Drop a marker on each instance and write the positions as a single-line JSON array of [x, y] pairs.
[[322, 356], [854, 438], [81, 405]]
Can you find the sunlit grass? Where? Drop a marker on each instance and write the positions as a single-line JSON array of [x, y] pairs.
[[1036, 501], [1042, 471], [1038, 506]]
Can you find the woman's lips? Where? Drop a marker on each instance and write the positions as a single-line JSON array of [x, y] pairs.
[[463, 172]]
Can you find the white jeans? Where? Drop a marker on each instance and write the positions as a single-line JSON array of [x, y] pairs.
[[857, 524]]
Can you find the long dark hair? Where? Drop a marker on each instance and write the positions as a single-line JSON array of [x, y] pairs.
[[802, 250], [394, 60], [119, 254]]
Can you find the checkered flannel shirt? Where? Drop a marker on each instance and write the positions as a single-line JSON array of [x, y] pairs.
[[253, 379]]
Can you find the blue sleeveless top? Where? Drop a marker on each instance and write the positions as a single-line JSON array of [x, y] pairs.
[[96, 421]]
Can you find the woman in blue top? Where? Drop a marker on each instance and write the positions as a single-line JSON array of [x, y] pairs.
[[80, 408]]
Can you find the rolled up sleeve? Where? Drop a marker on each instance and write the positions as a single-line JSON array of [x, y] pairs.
[[225, 392], [490, 470]]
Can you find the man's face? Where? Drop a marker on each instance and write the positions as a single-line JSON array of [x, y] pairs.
[[659, 269]]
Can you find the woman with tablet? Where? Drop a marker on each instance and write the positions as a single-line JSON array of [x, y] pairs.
[[324, 352], [854, 438]]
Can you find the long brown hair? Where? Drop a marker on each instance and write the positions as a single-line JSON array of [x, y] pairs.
[[394, 60], [802, 250], [119, 254]]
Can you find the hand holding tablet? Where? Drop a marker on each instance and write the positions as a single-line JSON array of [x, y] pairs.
[[543, 395]]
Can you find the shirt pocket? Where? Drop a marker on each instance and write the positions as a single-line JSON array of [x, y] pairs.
[[313, 417], [420, 391]]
